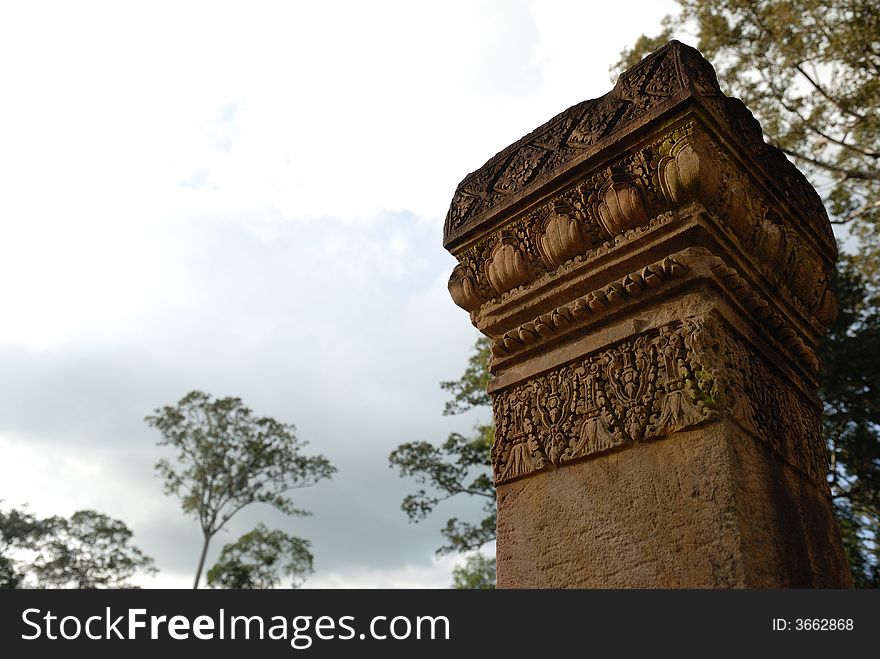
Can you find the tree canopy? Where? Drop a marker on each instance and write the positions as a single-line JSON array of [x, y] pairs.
[[227, 459], [259, 559], [19, 530], [478, 573], [88, 550]]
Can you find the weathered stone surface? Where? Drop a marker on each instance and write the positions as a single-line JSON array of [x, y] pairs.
[[705, 508], [654, 279]]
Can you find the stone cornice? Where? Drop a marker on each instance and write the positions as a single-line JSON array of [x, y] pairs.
[[629, 199], [672, 81]]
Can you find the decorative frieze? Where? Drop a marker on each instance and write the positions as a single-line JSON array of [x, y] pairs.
[[612, 204], [668, 379]]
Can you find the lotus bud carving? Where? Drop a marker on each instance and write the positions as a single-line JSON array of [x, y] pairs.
[[738, 210], [506, 267], [562, 238], [463, 288], [805, 280], [770, 243], [690, 174], [826, 308], [621, 208]]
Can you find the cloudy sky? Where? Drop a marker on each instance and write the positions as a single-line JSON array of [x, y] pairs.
[[247, 198]]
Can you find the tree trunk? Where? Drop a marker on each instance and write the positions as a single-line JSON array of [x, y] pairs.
[[201, 561]]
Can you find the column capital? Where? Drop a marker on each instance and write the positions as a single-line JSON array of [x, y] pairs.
[[580, 214], [648, 268]]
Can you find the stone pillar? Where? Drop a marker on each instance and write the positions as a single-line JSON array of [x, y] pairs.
[[654, 278]]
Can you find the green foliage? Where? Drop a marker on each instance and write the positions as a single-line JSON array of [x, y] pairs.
[[810, 72], [478, 573], [469, 391], [89, 550], [849, 389], [228, 459], [19, 530], [259, 558], [459, 466]]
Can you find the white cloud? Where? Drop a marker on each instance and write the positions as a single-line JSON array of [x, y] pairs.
[[248, 199]]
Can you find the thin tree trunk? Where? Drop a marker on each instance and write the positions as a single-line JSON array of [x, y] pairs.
[[201, 561]]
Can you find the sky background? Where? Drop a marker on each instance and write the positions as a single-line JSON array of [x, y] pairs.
[[247, 198]]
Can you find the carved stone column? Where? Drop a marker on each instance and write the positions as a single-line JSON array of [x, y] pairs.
[[654, 280]]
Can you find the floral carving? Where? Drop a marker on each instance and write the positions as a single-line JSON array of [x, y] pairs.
[[607, 204], [690, 173], [824, 303], [505, 267], [686, 170], [771, 408], [770, 244], [676, 377], [621, 208], [760, 309], [644, 388], [561, 237], [463, 288], [521, 169], [610, 204], [598, 121]]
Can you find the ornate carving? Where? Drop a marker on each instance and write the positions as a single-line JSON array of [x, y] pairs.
[[520, 170], [759, 400], [561, 236], [564, 137], [463, 288], [612, 202], [708, 348], [599, 119], [690, 172], [641, 389], [571, 314], [672, 75], [676, 377], [760, 309], [505, 267]]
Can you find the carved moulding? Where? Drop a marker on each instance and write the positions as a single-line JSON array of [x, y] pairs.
[[672, 378], [672, 79], [693, 263], [615, 202], [566, 138], [574, 313]]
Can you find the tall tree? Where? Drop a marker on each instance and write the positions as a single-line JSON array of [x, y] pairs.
[[88, 550], [810, 72], [458, 467], [259, 559], [228, 459]]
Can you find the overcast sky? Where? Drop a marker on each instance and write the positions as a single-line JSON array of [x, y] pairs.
[[247, 198]]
